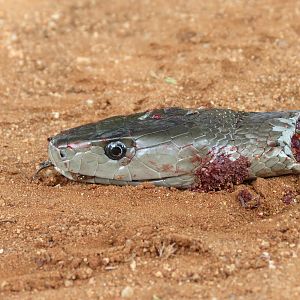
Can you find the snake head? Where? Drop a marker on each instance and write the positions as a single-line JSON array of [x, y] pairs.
[[126, 150]]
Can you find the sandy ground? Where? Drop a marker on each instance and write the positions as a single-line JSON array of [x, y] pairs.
[[64, 63]]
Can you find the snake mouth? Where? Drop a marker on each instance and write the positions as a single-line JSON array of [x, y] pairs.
[[180, 181]]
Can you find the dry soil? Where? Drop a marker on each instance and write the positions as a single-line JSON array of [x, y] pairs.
[[64, 63]]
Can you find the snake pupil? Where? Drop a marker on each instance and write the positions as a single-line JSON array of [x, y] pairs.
[[115, 150]]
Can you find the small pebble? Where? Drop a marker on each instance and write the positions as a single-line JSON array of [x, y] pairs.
[[264, 245], [133, 265], [170, 80], [158, 274], [289, 197], [4, 284], [90, 102], [92, 281], [265, 255], [272, 265], [83, 60], [56, 16], [127, 292], [55, 115], [68, 283], [247, 200], [105, 261]]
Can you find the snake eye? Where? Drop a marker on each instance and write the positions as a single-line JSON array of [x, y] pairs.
[[115, 150]]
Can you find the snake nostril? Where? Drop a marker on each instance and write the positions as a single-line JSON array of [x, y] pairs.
[[62, 153]]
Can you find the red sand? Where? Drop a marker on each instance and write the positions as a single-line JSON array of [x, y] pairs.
[[66, 63]]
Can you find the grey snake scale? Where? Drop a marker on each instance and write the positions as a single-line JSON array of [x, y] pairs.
[[201, 149]]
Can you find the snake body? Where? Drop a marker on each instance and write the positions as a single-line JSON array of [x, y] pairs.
[[204, 149]]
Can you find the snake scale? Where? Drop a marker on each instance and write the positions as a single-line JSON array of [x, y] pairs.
[[201, 149]]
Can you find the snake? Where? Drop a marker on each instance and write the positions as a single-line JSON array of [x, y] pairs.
[[200, 149]]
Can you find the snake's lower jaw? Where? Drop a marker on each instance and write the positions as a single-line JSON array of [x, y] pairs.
[[183, 181]]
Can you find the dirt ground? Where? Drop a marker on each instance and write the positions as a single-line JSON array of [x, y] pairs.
[[64, 63]]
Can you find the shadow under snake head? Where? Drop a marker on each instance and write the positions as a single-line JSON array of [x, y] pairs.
[[202, 149]]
